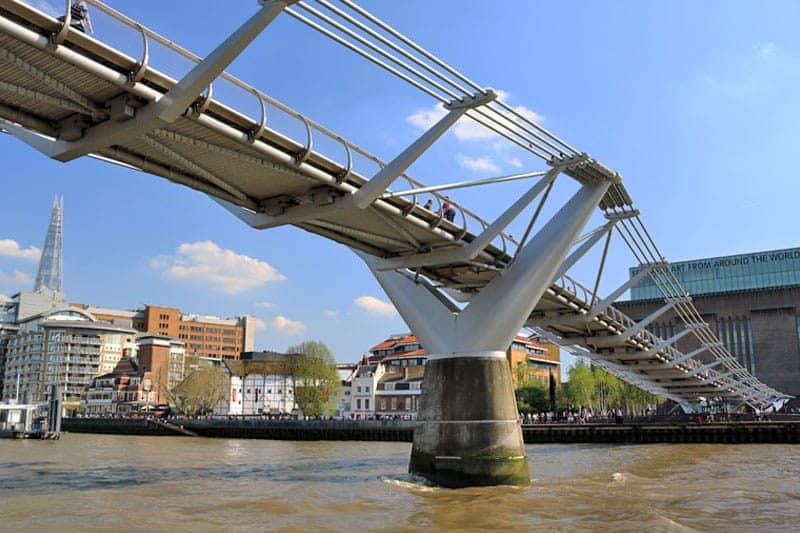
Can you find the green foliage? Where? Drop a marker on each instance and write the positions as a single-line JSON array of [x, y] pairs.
[[315, 379], [532, 398], [200, 392], [580, 388], [595, 388]]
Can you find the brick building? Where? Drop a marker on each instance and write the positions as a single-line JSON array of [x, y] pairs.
[[127, 389], [163, 357], [752, 302], [204, 336]]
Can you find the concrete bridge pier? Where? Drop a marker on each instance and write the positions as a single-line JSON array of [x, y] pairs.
[[468, 432]]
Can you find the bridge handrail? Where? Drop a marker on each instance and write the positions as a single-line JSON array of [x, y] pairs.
[[262, 96], [621, 320]]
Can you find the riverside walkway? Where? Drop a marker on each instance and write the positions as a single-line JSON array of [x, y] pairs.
[[779, 429]]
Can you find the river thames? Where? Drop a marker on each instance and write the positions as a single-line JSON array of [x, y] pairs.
[[105, 482]]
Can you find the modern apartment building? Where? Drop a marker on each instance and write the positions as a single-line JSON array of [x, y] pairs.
[[66, 347]]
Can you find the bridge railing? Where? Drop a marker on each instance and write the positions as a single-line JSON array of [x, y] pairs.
[[313, 136]]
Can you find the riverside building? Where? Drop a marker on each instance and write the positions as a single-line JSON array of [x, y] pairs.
[[204, 335], [752, 301], [388, 382], [65, 347], [260, 384], [44, 340]]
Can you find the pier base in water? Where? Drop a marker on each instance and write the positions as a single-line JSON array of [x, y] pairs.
[[468, 432]]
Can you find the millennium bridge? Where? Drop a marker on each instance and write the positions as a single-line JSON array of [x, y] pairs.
[[463, 284]]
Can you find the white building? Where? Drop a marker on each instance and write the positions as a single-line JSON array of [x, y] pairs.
[[344, 402], [259, 387], [365, 382]]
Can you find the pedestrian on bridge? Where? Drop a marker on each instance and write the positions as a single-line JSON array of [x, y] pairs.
[[79, 17], [448, 209]]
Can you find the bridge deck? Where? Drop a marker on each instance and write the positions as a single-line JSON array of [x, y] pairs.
[[221, 152]]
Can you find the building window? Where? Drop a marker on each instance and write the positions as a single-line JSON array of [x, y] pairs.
[[366, 403], [358, 404]]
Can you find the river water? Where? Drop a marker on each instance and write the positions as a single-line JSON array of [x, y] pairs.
[[105, 482]]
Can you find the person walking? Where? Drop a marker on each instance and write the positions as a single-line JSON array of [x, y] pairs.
[[79, 17], [448, 209]]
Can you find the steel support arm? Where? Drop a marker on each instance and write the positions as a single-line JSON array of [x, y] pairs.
[[659, 346], [612, 340], [501, 309], [704, 368], [429, 316], [587, 245], [172, 104], [685, 357], [471, 251], [614, 296], [465, 184], [598, 308], [486, 326], [375, 187]]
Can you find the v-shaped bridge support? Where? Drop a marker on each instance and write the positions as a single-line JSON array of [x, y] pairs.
[[467, 381]]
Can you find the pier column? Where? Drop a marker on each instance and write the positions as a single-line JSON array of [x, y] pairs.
[[467, 431]]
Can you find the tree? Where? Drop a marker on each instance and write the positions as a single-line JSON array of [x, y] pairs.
[[580, 387], [200, 392], [315, 379], [607, 390], [532, 398], [594, 387]]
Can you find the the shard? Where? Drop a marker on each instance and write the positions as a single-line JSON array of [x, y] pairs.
[[49, 275]]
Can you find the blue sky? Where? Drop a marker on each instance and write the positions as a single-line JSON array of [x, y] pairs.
[[695, 103]]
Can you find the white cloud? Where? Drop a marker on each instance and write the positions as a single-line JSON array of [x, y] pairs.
[[479, 164], [766, 50], [4, 298], [467, 129], [17, 278], [290, 327], [259, 324], [11, 248], [264, 305], [375, 305], [330, 313], [425, 118], [224, 270], [515, 162]]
